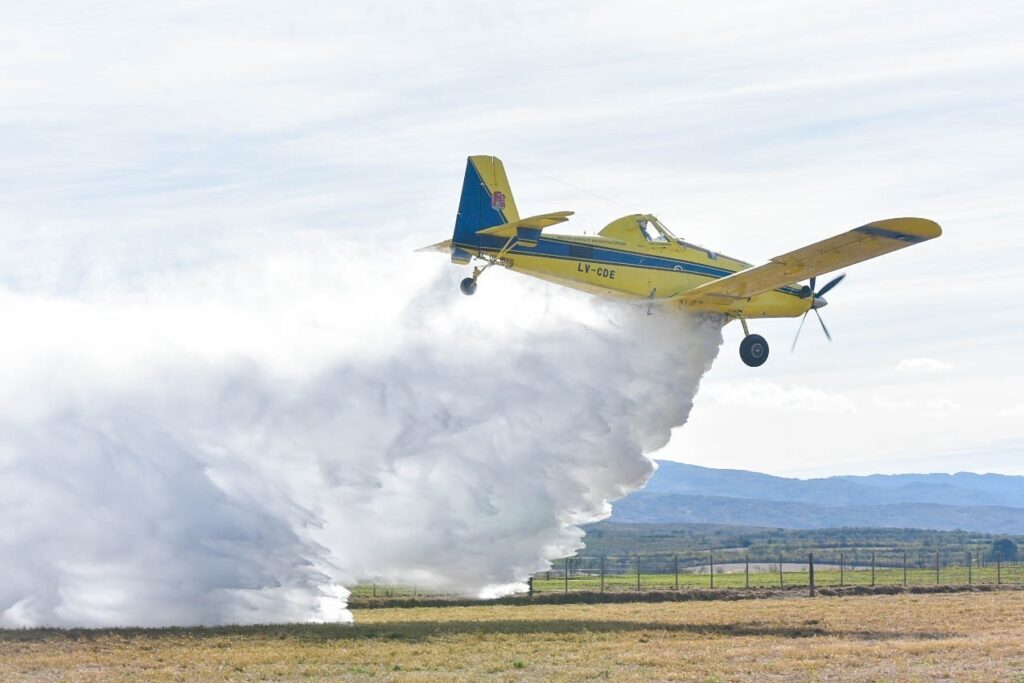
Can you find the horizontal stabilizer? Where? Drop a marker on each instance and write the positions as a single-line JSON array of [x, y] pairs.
[[460, 256], [532, 223], [443, 247]]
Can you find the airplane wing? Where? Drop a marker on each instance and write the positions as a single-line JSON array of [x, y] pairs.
[[859, 244]]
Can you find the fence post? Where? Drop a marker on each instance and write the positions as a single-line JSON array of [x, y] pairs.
[[677, 571], [936, 567], [999, 568], [970, 567], [374, 589], [781, 582], [841, 563], [810, 570], [638, 572], [602, 573], [711, 568], [746, 571], [872, 568], [529, 585], [567, 575], [904, 566]]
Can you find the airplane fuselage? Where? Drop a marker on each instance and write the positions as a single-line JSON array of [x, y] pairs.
[[654, 271]]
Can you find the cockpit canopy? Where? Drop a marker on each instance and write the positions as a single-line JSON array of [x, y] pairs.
[[641, 228], [638, 227]]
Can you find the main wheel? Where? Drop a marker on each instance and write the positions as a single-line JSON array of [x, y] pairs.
[[468, 286], [754, 350]]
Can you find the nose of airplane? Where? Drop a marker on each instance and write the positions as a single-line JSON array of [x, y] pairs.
[[819, 302]]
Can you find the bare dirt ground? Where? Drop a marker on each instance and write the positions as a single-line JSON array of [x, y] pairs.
[[958, 636]]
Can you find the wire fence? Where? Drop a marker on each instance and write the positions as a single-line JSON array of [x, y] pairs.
[[730, 570], [735, 569]]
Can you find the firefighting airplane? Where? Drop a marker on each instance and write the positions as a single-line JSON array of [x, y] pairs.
[[637, 257]]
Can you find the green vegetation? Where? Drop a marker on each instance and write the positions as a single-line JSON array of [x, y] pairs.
[[697, 550], [767, 544], [793, 575], [1003, 549]]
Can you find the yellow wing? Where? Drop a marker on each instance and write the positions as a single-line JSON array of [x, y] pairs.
[[859, 244]]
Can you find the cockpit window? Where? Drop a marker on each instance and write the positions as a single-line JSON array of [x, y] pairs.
[[651, 232]]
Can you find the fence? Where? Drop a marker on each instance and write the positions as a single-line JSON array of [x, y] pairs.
[[820, 568], [735, 569]]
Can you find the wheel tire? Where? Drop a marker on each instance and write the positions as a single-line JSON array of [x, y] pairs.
[[754, 350], [468, 286]]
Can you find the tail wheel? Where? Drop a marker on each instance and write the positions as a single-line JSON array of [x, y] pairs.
[[468, 286], [754, 350]]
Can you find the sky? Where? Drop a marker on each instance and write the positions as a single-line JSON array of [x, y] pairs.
[[146, 146]]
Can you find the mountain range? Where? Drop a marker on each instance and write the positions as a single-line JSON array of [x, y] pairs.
[[990, 503]]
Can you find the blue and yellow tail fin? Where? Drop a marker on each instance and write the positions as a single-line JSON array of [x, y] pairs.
[[487, 212], [486, 198]]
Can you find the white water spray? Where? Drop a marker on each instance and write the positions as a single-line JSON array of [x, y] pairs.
[[189, 456]]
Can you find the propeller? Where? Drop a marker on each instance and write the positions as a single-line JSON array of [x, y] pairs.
[[817, 302]]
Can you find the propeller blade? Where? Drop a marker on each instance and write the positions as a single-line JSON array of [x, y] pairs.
[[813, 280], [830, 285], [793, 348], [822, 323]]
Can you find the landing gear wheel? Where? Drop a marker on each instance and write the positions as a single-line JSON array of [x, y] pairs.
[[754, 350], [468, 286]]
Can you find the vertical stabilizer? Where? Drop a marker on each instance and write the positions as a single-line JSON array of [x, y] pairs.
[[486, 198]]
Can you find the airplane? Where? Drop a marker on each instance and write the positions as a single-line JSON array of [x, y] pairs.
[[637, 257]]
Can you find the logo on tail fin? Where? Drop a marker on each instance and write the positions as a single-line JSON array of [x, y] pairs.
[[498, 201]]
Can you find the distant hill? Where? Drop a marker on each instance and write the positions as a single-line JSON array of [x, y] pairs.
[[677, 492]]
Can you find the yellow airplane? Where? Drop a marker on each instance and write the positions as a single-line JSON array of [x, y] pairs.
[[637, 257]]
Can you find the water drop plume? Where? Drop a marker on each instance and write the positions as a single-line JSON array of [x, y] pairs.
[[190, 457]]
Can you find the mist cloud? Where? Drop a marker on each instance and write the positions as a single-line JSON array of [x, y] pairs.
[[161, 471]]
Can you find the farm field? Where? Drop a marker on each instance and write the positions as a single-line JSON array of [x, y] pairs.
[[793, 575], [964, 636], [770, 579]]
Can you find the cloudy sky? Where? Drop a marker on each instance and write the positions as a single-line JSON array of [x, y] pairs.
[[141, 145]]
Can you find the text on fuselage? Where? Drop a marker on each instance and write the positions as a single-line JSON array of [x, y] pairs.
[[600, 271]]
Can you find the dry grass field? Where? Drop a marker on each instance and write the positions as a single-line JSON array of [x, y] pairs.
[[958, 637]]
